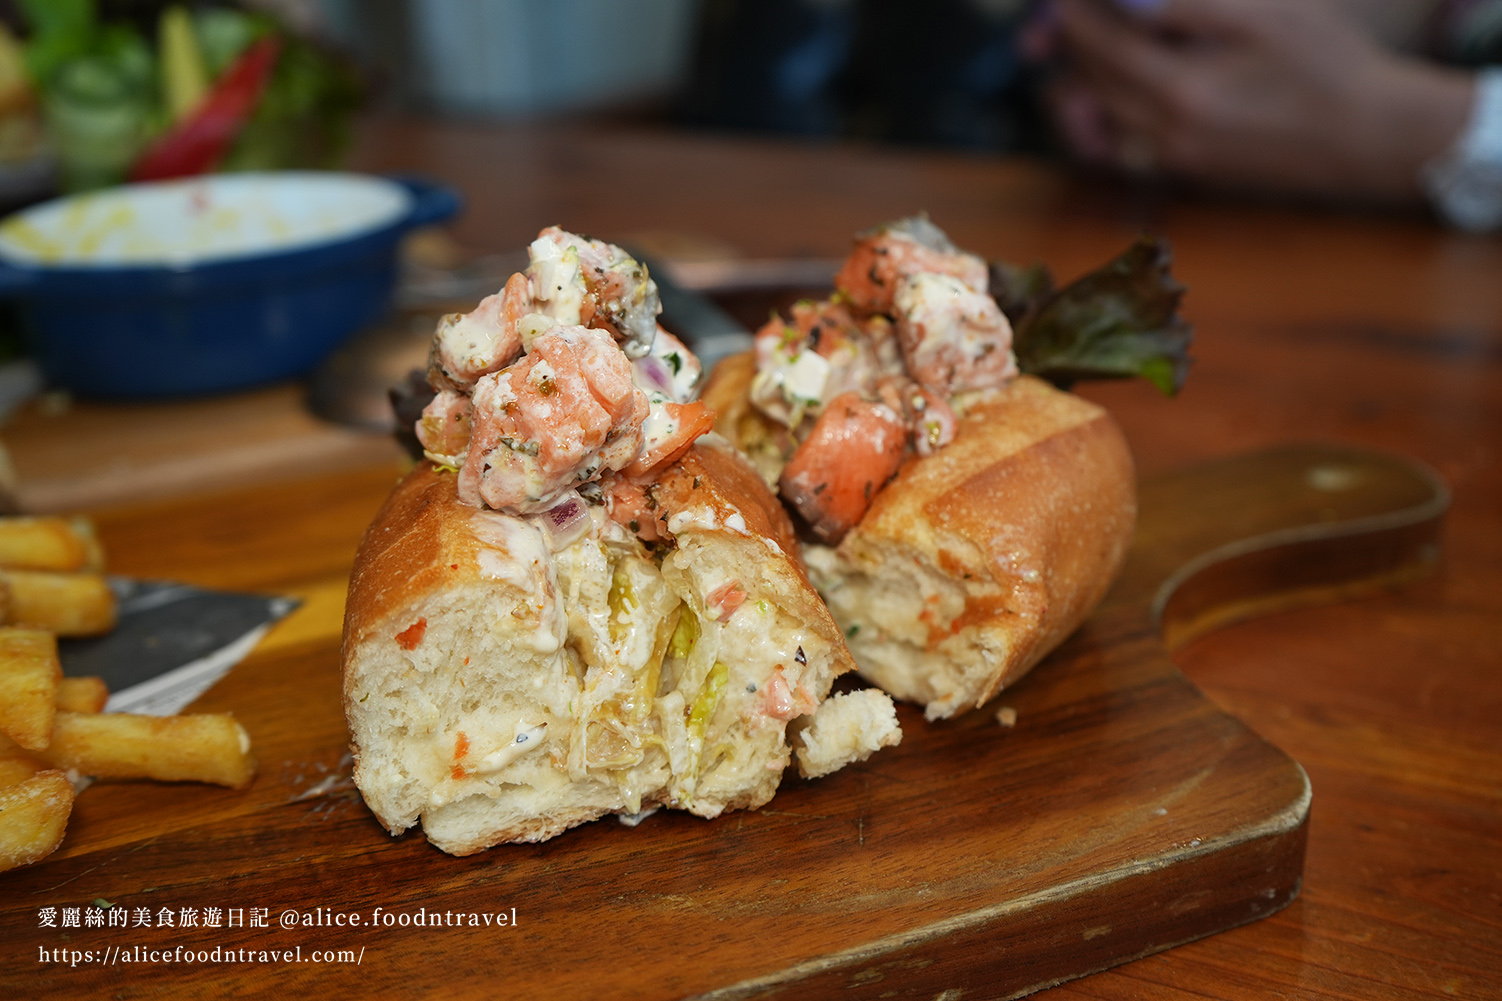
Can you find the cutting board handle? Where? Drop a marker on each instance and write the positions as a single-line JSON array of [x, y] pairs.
[[1288, 527]]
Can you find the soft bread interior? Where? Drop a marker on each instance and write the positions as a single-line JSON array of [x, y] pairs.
[[897, 608], [528, 691]]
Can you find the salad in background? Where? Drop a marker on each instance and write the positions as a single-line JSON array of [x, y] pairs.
[[20, 125], [168, 91]]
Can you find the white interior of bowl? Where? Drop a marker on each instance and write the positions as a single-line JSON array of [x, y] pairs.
[[202, 219]]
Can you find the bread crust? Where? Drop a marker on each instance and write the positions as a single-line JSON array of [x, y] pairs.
[[1012, 533]]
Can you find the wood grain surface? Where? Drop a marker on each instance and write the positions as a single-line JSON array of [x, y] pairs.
[[1313, 324], [1121, 814], [73, 455]]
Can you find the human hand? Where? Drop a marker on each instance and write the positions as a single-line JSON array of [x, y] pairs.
[[1284, 95]]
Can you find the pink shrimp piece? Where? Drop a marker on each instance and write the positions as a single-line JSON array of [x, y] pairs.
[[883, 257], [928, 416], [827, 326], [934, 425], [558, 417], [777, 340], [443, 428], [781, 701], [627, 504], [859, 352], [619, 294], [855, 446], [953, 338], [722, 602], [669, 432], [484, 340]]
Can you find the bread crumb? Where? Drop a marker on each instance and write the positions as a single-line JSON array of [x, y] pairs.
[[847, 728], [1006, 716]]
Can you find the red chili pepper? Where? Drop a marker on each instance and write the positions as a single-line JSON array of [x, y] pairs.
[[198, 144]]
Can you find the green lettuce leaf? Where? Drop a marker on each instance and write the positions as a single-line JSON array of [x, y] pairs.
[[1118, 321]]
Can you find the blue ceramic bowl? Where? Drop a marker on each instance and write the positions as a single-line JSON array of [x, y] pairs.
[[209, 284]]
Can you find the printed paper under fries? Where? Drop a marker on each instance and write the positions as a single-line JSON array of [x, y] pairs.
[[52, 727]]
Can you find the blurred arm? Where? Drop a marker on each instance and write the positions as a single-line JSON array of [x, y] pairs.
[[1283, 95]]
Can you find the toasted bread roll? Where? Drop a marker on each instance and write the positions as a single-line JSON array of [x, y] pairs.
[[978, 560], [499, 691]]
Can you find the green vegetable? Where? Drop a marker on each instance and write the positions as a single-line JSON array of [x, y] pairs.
[[684, 636], [185, 77], [303, 119], [224, 33], [99, 111], [1118, 321], [60, 30], [708, 699], [104, 100], [97, 89]]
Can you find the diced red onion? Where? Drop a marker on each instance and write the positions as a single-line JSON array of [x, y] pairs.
[[564, 523], [652, 373]]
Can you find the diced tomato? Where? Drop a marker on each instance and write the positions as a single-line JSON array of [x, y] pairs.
[[408, 638]]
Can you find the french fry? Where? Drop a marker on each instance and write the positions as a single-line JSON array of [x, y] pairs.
[[82, 695], [33, 817], [44, 544], [29, 676], [210, 747], [68, 604], [15, 770], [93, 549]]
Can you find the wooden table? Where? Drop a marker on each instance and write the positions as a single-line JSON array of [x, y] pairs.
[[1312, 326]]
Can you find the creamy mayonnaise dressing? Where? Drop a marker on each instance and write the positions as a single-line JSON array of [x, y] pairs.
[[557, 286], [515, 552]]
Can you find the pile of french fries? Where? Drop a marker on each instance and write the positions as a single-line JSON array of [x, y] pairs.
[[53, 729], [52, 577]]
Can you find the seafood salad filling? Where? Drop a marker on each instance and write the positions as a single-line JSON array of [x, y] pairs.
[[561, 391], [877, 371]]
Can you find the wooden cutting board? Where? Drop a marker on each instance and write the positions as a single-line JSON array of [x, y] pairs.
[[1121, 814]]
